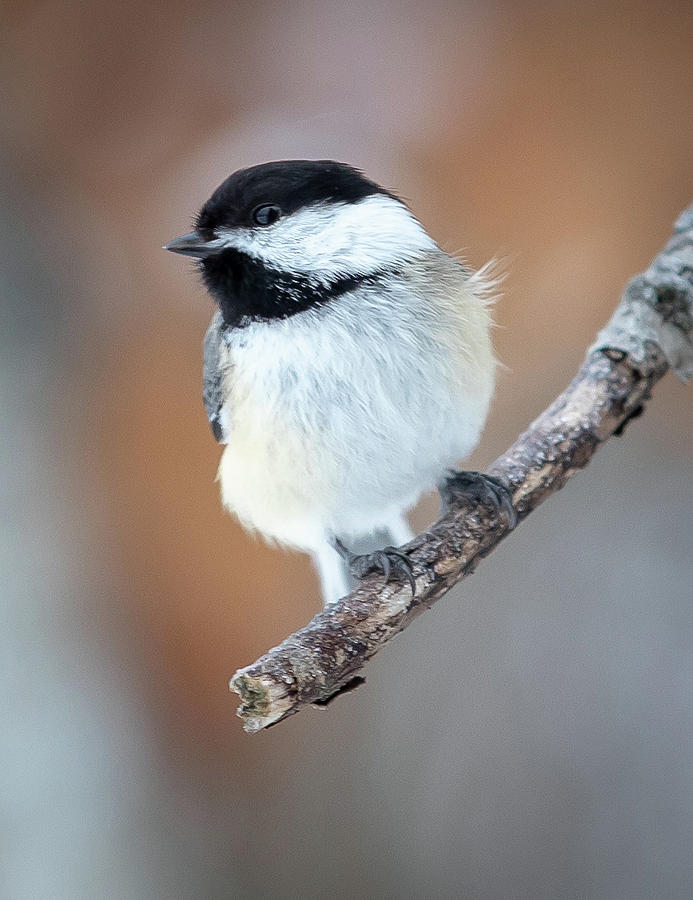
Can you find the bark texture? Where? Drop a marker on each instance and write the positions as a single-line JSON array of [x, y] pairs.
[[650, 332]]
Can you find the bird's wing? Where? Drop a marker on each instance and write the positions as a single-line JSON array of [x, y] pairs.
[[214, 366]]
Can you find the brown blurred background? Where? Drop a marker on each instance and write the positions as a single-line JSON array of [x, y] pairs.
[[530, 737]]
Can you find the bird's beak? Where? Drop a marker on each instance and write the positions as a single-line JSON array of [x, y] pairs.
[[192, 244]]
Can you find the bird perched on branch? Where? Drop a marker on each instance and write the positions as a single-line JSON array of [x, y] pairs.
[[348, 366]]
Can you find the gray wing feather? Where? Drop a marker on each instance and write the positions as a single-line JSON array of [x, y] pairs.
[[212, 374]]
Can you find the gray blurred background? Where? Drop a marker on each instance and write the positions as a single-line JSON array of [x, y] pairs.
[[532, 736]]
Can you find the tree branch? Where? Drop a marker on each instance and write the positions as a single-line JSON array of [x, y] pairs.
[[650, 331]]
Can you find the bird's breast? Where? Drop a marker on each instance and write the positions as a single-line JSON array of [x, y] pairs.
[[346, 409]]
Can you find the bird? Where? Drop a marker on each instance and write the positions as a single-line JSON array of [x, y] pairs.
[[348, 366]]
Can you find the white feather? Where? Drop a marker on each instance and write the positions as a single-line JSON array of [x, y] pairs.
[[326, 240], [339, 417]]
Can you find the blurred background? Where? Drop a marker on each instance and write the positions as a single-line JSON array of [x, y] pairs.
[[532, 736]]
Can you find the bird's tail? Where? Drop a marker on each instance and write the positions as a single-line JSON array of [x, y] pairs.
[[335, 580]]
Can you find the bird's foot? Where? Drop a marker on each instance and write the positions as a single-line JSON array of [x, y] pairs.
[[394, 564], [480, 487]]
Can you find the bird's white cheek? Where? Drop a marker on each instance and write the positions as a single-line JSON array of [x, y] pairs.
[[329, 240]]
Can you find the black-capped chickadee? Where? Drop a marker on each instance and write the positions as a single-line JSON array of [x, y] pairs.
[[348, 366]]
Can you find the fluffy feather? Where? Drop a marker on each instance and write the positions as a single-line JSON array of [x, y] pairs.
[[341, 416]]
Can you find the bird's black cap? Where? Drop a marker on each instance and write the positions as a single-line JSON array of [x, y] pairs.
[[289, 184]]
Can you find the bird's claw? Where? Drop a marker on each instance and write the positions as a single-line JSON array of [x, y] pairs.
[[480, 487], [394, 564]]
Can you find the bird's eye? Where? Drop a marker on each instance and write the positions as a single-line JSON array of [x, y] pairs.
[[266, 215]]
